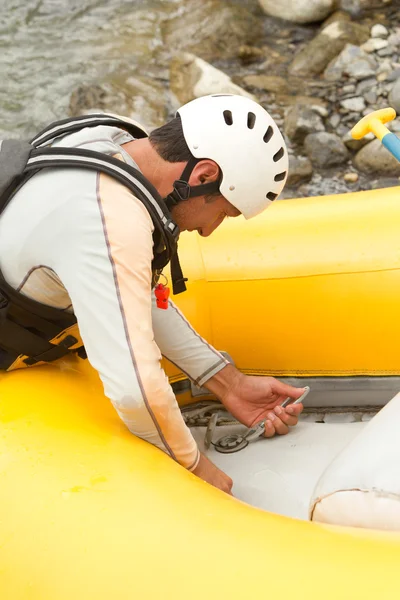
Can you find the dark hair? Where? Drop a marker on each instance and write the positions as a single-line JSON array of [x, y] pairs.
[[169, 141]]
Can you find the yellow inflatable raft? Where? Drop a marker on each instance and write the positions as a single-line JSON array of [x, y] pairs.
[[87, 511]]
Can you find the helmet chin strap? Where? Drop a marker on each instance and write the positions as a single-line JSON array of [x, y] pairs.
[[183, 191]]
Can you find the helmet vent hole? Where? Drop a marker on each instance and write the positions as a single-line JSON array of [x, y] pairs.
[[280, 176], [271, 196], [251, 120], [228, 117], [268, 134], [278, 155]]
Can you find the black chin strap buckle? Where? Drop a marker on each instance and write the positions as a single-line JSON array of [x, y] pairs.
[[181, 190]]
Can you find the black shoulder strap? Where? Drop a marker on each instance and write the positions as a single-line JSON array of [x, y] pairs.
[[67, 126], [75, 157]]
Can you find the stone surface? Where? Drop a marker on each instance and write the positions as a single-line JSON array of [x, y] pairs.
[[192, 77], [211, 29], [315, 57], [269, 83], [325, 149], [374, 44], [351, 62], [371, 97], [139, 98], [338, 15], [375, 159], [394, 96], [351, 177], [379, 31], [299, 11], [356, 104], [300, 170], [300, 121]]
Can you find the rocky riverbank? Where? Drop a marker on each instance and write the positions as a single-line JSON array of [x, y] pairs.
[[317, 65]]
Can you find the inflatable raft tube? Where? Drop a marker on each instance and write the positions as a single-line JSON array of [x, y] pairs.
[[89, 511], [310, 288]]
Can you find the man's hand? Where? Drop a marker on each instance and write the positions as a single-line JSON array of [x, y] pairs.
[[252, 399], [207, 471]]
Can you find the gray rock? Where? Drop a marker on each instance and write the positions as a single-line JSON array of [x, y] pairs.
[[299, 11], [300, 169], [334, 120], [352, 62], [192, 77], [325, 149], [388, 51], [371, 96], [300, 121], [314, 58], [211, 29], [354, 7], [394, 96], [395, 74], [354, 104], [269, 83], [365, 85], [379, 31], [384, 182], [349, 89], [375, 159]]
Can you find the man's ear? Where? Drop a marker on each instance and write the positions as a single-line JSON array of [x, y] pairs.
[[204, 172]]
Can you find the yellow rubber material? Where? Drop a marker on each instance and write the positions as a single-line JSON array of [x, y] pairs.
[[88, 511], [309, 288]]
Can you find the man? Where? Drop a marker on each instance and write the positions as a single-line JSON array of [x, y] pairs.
[[81, 241]]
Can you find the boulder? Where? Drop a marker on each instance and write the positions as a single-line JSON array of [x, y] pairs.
[[269, 83], [300, 121], [211, 29], [192, 77], [139, 98], [299, 11], [316, 56], [375, 159], [325, 149]]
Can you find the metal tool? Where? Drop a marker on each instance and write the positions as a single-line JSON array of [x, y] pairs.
[[299, 400]]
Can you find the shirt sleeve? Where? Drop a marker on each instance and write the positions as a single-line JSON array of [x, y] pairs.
[[110, 289], [183, 346]]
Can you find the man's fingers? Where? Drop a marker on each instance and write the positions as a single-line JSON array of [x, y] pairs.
[[289, 419], [269, 429], [284, 389], [280, 427]]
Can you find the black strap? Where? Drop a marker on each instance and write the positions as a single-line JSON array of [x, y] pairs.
[[183, 191], [66, 126]]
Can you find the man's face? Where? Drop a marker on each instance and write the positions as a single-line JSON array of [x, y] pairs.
[[203, 214]]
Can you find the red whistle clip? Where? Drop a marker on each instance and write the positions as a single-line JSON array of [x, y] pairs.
[[162, 294]]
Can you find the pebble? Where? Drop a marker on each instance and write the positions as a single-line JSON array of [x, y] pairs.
[[351, 177], [386, 51], [334, 120], [379, 31], [374, 44], [382, 76], [371, 97], [356, 104]]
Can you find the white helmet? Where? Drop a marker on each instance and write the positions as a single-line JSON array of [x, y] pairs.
[[243, 139]]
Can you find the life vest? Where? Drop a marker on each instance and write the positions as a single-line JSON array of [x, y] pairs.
[[31, 332]]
